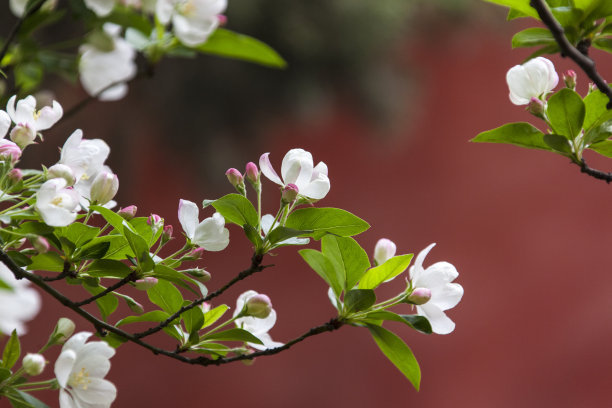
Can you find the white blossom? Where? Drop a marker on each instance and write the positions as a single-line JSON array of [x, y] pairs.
[[192, 20], [18, 302], [5, 123], [99, 69], [24, 113], [533, 79], [80, 370], [444, 294], [57, 205], [297, 168], [384, 250], [102, 8], [256, 326], [209, 234]]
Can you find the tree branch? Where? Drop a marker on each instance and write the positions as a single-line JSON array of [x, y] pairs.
[[131, 277], [256, 266], [600, 175], [11, 37]]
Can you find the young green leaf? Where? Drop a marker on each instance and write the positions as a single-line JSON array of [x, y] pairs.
[[237, 209], [281, 233], [531, 37], [107, 268], [233, 335], [152, 316], [12, 351], [520, 134], [388, 270], [357, 300], [193, 319], [166, 296], [326, 221], [324, 268], [213, 315], [107, 304], [20, 399], [398, 353], [558, 143], [49, 261], [519, 5], [140, 248], [419, 323], [349, 259], [604, 148], [566, 113]]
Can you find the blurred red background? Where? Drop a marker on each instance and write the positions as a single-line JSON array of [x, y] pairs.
[[529, 234]]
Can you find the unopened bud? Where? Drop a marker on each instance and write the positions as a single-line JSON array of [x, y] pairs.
[[384, 250], [134, 305], [536, 107], [234, 177], [167, 234], [259, 306], [62, 171], [9, 151], [23, 135], [104, 187], [145, 283], [569, 77], [252, 173], [199, 274], [63, 330], [15, 176], [206, 307], [155, 220], [40, 244], [419, 296], [289, 193], [222, 18], [33, 363], [194, 254], [128, 212]]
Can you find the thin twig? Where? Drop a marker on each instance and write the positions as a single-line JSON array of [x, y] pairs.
[[66, 272], [598, 174], [131, 277], [11, 37], [256, 266], [568, 50]]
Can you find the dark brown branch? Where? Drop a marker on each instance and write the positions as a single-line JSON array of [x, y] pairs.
[[256, 266], [131, 277], [66, 272], [11, 37], [568, 50], [600, 175], [103, 327]]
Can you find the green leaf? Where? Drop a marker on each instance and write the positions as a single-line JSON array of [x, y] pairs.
[[519, 5], [79, 233], [531, 37], [228, 44], [178, 278], [96, 251], [166, 296], [112, 218], [326, 221], [28, 75], [107, 304], [49, 261], [281, 233], [388, 270], [604, 148], [19, 258], [558, 143], [140, 248], [237, 209], [567, 16], [233, 335], [566, 112], [324, 268], [417, 322], [604, 44], [357, 300], [398, 353], [512, 14], [213, 315], [349, 259], [125, 18], [108, 268], [12, 351], [596, 111], [4, 373], [142, 228], [20, 399], [599, 9], [253, 236], [34, 227], [520, 134], [193, 319], [152, 316]]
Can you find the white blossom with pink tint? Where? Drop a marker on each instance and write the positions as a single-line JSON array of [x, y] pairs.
[[443, 294], [104, 187], [18, 302], [24, 113], [209, 234], [533, 79], [256, 326], [384, 250], [57, 205], [5, 123], [192, 20], [298, 168]]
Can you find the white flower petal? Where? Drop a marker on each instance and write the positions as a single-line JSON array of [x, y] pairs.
[[316, 189], [102, 8], [297, 168], [63, 366], [448, 296], [211, 235], [48, 116], [267, 341], [164, 10], [66, 400], [99, 392], [188, 214], [440, 323], [5, 123], [77, 341], [99, 348], [417, 268], [268, 170]]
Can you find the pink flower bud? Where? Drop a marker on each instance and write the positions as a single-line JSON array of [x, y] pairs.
[[536, 107], [234, 177], [222, 19], [167, 233], [194, 254], [252, 173], [419, 296], [289, 193], [206, 307], [259, 306], [9, 151], [145, 283], [384, 250], [128, 212], [199, 274], [15, 176], [40, 244], [62, 171], [104, 187], [155, 221], [23, 135], [569, 77]]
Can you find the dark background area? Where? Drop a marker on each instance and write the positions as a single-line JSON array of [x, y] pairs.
[[528, 233]]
